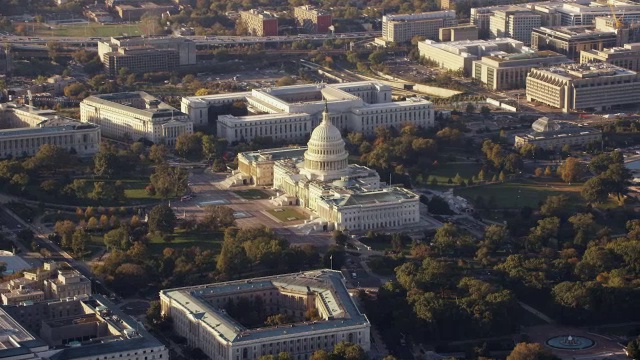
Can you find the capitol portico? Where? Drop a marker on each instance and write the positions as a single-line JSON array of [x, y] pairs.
[[320, 178]]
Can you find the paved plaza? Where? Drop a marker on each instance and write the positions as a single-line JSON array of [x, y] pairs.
[[248, 213]]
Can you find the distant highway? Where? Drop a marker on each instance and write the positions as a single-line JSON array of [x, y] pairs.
[[199, 40]]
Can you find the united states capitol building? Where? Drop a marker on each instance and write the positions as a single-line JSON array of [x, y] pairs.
[[289, 113], [320, 178]]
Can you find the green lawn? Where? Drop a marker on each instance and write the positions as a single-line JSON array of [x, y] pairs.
[[448, 171], [252, 194], [85, 30], [134, 189], [180, 240], [287, 214], [522, 193]]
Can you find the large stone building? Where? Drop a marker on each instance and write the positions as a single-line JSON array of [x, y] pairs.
[[259, 22], [514, 23], [457, 33], [26, 129], [199, 315], [343, 196], [135, 116], [570, 40], [551, 135], [146, 54], [134, 11], [509, 71], [583, 86], [52, 281], [627, 57], [459, 55], [79, 328], [402, 28], [312, 19], [289, 113]]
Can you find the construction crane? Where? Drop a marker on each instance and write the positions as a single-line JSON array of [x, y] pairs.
[[617, 23]]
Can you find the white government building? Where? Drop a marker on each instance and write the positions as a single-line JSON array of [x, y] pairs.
[[289, 113], [26, 129], [320, 178], [135, 115], [199, 314]]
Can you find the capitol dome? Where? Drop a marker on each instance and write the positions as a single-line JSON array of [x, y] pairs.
[[326, 156], [544, 124]]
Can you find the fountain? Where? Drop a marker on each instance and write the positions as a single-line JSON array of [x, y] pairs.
[[568, 342]]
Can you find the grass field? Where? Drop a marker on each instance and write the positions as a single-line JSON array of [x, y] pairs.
[[447, 171], [252, 194], [287, 213], [523, 193], [84, 30], [180, 240]]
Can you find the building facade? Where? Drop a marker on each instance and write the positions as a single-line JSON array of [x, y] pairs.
[[289, 113], [135, 116], [80, 328], [146, 54], [32, 128], [133, 11], [513, 23], [320, 179], [583, 86], [312, 19], [627, 57], [457, 33], [198, 314], [571, 40], [550, 135], [459, 55], [259, 23], [402, 28], [509, 71]]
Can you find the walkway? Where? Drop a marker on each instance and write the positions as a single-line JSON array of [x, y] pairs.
[[537, 313]]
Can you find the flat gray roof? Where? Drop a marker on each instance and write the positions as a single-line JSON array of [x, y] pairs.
[[327, 284]]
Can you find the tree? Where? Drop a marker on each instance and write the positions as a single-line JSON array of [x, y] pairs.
[[485, 111], [217, 217], [616, 179], [285, 81], [594, 190], [189, 145], [584, 227], [502, 176], [117, 239], [554, 205], [65, 230], [320, 355], [105, 162], [525, 351], [168, 180], [79, 241], [203, 92], [233, 258], [54, 48], [162, 219], [377, 57], [348, 351], [470, 109], [538, 172], [154, 313], [158, 153], [278, 319], [547, 171], [633, 348], [571, 170]]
